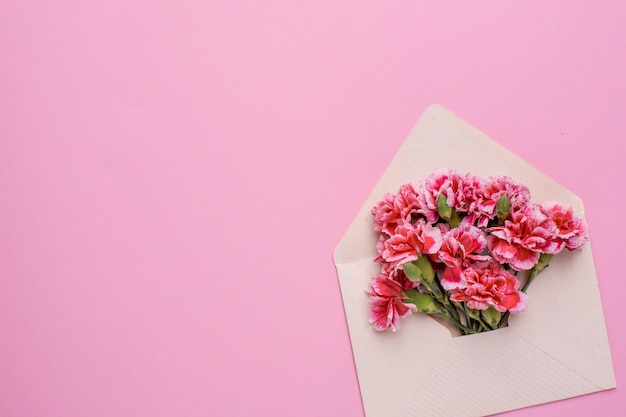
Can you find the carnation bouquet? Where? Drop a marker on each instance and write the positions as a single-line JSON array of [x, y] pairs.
[[464, 249]]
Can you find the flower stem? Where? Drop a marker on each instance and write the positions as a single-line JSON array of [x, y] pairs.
[[543, 263], [484, 325], [476, 320], [531, 277], [458, 324]]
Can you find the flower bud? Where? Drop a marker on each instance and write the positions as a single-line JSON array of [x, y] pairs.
[[503, 207], [428, 274], [412, 272], [544, 260], [473, 314], [491, 316], [444, 210], [424, 302], [542, 263], [420, 271]]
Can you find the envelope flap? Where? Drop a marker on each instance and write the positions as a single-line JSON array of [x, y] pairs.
[[442, 140]]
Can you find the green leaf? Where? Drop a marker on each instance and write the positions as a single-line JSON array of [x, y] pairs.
[[413, 272]]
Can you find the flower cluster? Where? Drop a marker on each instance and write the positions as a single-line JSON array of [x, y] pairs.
[[453, 246]]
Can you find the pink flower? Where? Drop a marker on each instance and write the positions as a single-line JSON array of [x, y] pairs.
[[442, 181], [409, 242], [461, 191], [469, 194], [385, 214], [465, 242], [494, 188], [461, 246], [399, 276], [452, 278], [489, 284], [522, 238], [406, 201], [386, 306], [571, 229], [395, 210]]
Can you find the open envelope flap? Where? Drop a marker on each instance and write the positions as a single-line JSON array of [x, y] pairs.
[[556, 349], [442, 140]]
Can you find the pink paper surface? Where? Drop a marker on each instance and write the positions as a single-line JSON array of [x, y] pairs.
[[175, 176]]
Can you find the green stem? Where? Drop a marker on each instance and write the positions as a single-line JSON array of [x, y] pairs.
[[444, 298], [531, 277], [477, 321], [458, 324], [484, 325], [504, 320]]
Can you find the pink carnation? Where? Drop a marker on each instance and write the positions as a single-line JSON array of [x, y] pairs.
[[494, 189], [398, 276], [386, 216], [571, 229], [406, 201], [409, 242], [429, 192], [461, 191], [452, 278], [461, 246], [465, 242], [489, 284], [469, 194], [395, 210], [386, 306], [523, 237]]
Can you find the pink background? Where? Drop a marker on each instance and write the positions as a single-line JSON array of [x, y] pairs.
[[176, 174]]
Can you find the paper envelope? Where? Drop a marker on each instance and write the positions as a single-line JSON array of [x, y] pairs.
[[556, 349]]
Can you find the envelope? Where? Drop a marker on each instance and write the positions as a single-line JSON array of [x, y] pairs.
[[557, 348]]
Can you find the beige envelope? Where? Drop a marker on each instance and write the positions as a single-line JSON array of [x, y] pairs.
[[556, 349]]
